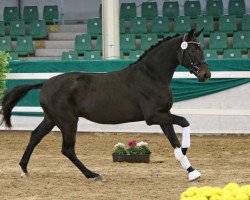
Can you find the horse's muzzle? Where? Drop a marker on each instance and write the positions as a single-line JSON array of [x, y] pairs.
[[204, 74]]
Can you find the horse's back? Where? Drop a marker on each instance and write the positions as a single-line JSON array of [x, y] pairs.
[[104, 98]]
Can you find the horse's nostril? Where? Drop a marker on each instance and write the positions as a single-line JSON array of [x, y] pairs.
[[206, 76]]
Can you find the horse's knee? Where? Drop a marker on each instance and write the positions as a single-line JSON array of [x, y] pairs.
[[183, 122]]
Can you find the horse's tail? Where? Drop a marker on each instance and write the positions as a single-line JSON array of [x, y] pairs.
[[11, 98]]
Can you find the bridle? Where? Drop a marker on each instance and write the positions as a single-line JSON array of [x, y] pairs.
[[184, 46]]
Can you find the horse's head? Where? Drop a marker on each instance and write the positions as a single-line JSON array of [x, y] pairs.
[[191, 56]]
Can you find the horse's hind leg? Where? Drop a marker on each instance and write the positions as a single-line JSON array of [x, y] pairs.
[[36, 136], [68, 147]]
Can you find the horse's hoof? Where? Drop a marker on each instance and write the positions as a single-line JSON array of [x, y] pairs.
[[98, 178], [194, 175], [24, 174]]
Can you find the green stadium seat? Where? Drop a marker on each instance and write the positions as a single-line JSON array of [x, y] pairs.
[[232, 53], [13, 56], [134, 55], [2, 28], [182, 24], [218, 41], [170, 34], [236, 7], [214, 8], [121, 55], [69, 55], [149, 10], [24, 46], [122, 26], [248, 55], [192, 8], [83, 43], [38, 29], [245, 23], [10, 14], [127, 42], [94, 27], [92, 55], [30, 13], [228, 24], [17, 28], [5, 44], [170, 9], [210, 53], [99, 43], [138, 26], [100, 10], [128, 11], [206, 22], [51, 14], [241, 40], [147, 40], [160, 25]]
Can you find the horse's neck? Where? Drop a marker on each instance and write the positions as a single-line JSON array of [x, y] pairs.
[[163, 61]]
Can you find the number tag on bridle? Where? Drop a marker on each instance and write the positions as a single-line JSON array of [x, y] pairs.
[[184, 45]]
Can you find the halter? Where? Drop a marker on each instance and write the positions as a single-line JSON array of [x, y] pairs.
[[184, 46]]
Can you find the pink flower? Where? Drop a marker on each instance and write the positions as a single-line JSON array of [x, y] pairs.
[[132, 143]]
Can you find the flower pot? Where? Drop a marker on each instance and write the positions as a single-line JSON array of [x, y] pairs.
[[137, 158]]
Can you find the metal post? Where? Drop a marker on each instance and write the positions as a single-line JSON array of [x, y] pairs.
[[110, 29]]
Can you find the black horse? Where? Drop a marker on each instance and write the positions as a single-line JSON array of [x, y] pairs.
[[139, 92]]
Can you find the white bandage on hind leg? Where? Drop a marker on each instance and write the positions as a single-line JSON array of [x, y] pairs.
[[185, 137], [185, 162]]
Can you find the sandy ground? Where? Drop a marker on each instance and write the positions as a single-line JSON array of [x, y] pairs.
[[221, 159]]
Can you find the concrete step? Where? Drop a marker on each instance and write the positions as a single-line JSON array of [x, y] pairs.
[[64, 36], [71, 28], [68, 44], [49, 52]]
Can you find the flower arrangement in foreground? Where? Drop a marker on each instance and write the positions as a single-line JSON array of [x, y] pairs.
[[231, 191], [133, 148], [136, 152]]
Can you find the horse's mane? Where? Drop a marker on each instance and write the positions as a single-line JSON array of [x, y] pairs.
[[153, 47]]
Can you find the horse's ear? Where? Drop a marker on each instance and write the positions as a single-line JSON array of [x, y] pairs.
[[190, 34], [197, 34]]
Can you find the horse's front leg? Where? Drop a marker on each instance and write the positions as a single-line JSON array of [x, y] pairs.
[[166, 121], [180, 150]]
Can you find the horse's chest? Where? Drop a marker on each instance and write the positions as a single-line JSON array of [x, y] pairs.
[[164, 98]]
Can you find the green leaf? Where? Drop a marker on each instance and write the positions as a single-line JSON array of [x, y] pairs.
[[4, 63]]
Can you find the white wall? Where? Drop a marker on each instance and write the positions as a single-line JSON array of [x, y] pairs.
[[84, 9]]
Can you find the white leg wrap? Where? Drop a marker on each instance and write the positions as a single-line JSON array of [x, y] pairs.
[[178, 154], [194, 175], [185, 137], [185, 162]]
